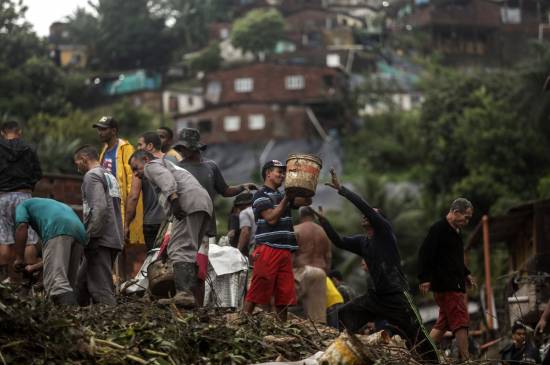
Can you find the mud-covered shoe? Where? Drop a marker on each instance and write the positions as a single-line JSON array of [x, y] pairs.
[[182, 299], [67, 298]]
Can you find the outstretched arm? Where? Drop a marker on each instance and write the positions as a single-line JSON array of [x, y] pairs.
[[237, 189], [223, 188], [376, 220], [348, 243]]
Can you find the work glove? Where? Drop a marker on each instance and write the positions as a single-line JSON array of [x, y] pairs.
[[177, 210]]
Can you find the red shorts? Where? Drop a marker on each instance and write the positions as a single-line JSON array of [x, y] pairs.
[[453, 311], [272, 277]]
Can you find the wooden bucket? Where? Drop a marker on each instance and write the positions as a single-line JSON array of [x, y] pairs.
[[302, 174], [161, 279]]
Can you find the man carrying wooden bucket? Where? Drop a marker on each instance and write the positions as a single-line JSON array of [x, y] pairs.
[[272, 276]]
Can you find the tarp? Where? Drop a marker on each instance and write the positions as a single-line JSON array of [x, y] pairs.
[[226, 259]]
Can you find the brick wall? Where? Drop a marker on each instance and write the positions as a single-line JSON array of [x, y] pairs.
[[269, 84], [281, 122], [65, 188]]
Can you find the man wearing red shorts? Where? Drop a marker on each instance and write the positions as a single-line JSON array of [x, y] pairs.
[[275, 240], [442, 270]]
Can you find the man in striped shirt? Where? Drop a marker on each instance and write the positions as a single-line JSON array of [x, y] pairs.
[[275, 239]]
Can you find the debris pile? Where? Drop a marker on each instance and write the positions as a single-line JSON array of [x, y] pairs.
[[377, 348], [32, 330]]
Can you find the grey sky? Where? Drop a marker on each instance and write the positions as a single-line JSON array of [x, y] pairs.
[[42, 13]]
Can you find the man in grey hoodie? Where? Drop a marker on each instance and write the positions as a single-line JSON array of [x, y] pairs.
[[103, 222], [182, 197]]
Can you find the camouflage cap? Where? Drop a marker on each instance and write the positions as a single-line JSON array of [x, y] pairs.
[[190, 139]]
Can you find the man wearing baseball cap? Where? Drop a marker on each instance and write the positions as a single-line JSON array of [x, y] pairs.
[[272, 276], [114, 158]]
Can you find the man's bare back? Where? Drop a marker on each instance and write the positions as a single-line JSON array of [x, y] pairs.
[[314, 247]]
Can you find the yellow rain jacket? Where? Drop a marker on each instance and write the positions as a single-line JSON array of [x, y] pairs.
[[124, 177]]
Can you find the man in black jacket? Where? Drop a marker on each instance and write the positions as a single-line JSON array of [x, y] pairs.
[[442, 270], [19, 172], [388, 296]]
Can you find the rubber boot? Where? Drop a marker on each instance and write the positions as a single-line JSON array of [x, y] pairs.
[[4, 273], [185, 279], [67, 298]]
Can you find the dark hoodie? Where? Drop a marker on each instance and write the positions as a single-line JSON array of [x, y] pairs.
[[19, 165]]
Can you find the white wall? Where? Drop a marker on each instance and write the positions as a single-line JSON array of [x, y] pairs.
[[187, 102]]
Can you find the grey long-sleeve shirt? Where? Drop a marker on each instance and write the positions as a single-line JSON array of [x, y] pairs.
[[101, 208], [169, 178]]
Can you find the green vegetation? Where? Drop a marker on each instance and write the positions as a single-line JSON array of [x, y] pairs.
[[209, 59], [129, 34], [258, 31], [479, 134]]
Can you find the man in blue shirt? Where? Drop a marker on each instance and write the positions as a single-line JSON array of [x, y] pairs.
[[63, 236]]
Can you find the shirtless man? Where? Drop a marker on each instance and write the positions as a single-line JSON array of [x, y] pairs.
[[311, 263]]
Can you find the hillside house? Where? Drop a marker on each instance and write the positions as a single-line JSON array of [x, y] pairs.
[[267, 101], [476, 31]]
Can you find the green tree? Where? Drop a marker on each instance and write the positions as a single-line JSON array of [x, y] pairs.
[[258, 31], [82, 27], [208, 59], [131, 35], [36, 86], [188, 21], [477, 142], [387, 143], [18, 41], [29, 82]]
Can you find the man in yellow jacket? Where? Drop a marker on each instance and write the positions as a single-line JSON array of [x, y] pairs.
[[114, 158]]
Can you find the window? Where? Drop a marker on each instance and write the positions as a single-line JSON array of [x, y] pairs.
[[256, 121], [173, 103], [190, 100], [205, 126], [295, 82], [213, 91], [244, 85], [333, 60], [232, 123]]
